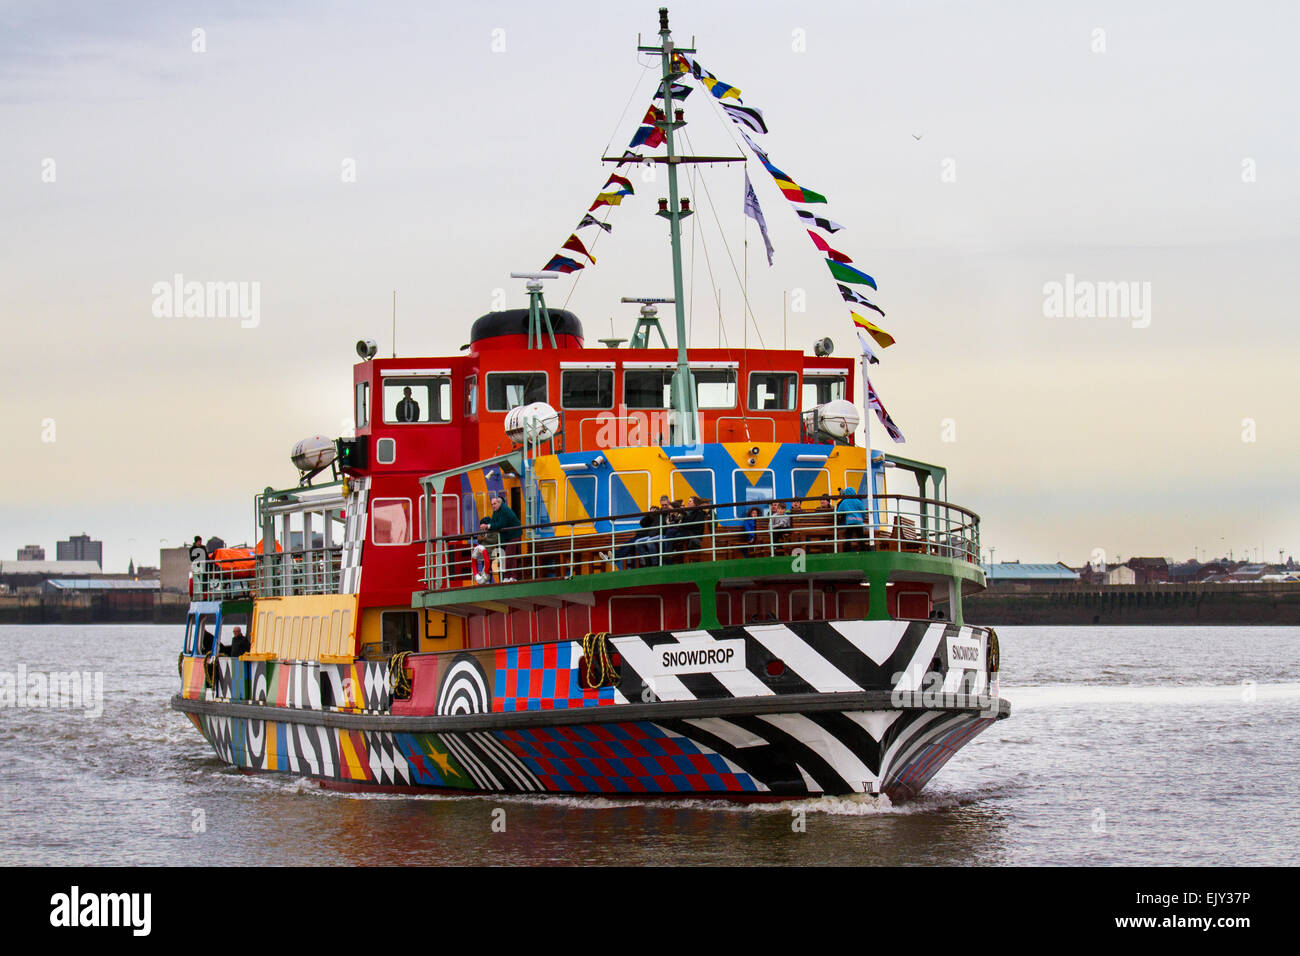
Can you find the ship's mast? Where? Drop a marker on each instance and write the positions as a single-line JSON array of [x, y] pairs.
[[685, 416]]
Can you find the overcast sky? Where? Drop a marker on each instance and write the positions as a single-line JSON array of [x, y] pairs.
[[1153, 144]]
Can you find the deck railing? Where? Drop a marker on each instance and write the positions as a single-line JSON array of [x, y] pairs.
[[315, 571], [565, 549]]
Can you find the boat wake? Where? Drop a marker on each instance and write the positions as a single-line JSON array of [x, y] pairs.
[[855, 805]]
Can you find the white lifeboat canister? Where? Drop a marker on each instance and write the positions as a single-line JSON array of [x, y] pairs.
[[538, 421], [838, 418], [314, 453]]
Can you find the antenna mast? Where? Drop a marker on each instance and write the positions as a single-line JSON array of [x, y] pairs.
[[685, 413]]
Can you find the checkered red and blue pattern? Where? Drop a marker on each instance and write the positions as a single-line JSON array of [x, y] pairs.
[[543, 677], [623, 758]]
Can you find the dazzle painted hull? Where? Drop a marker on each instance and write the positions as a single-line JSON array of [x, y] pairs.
[[783, 755], [857, 707]]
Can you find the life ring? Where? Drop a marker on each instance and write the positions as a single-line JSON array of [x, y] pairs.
[[479, 565]]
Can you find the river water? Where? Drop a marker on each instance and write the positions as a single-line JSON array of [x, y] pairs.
[[1137, 745]]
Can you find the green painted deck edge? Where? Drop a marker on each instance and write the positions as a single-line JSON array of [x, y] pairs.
[[875, 565]]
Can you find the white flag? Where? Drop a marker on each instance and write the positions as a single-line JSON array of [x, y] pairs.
[[866, 351], [753, 211]]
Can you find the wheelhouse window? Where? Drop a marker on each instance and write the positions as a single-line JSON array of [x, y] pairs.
[[772, 391], [587, 388], [647, 387], [471, 396], [653, 388], [715, 387], [417, 400], [820, 389], [363, 404], [506, 390]]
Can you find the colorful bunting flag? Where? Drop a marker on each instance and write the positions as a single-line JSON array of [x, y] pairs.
[[611, 199], [560, 264], [746, 116], [679, 90], [825, 247], [818, 221], [575, 244], [719, 89], [796, 193], [850, 295], [629, 157], [650, 136], [883, 338], [753, 211], [849, 274], [622, 181], [590, 220]]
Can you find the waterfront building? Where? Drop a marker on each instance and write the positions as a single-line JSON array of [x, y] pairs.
[[81, 548]]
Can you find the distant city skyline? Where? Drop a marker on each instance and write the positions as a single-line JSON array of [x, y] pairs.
[[1083, 228]]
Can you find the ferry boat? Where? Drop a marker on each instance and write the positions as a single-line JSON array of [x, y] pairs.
[[539, 566]]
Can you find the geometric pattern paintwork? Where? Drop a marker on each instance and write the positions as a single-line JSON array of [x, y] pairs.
[[895, 750], [543, 677]]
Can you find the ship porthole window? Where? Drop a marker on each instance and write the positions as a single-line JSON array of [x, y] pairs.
[[386, 451]]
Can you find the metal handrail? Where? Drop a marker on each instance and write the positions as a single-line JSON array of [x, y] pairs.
[[272, 574], [930, 526]]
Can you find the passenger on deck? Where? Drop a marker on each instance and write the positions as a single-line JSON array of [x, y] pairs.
[[779, 521], [645, 542], [849, 516], [408, 409], [239, 642], [692, 524], [750, 525], [506, 524], [650, 549]]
